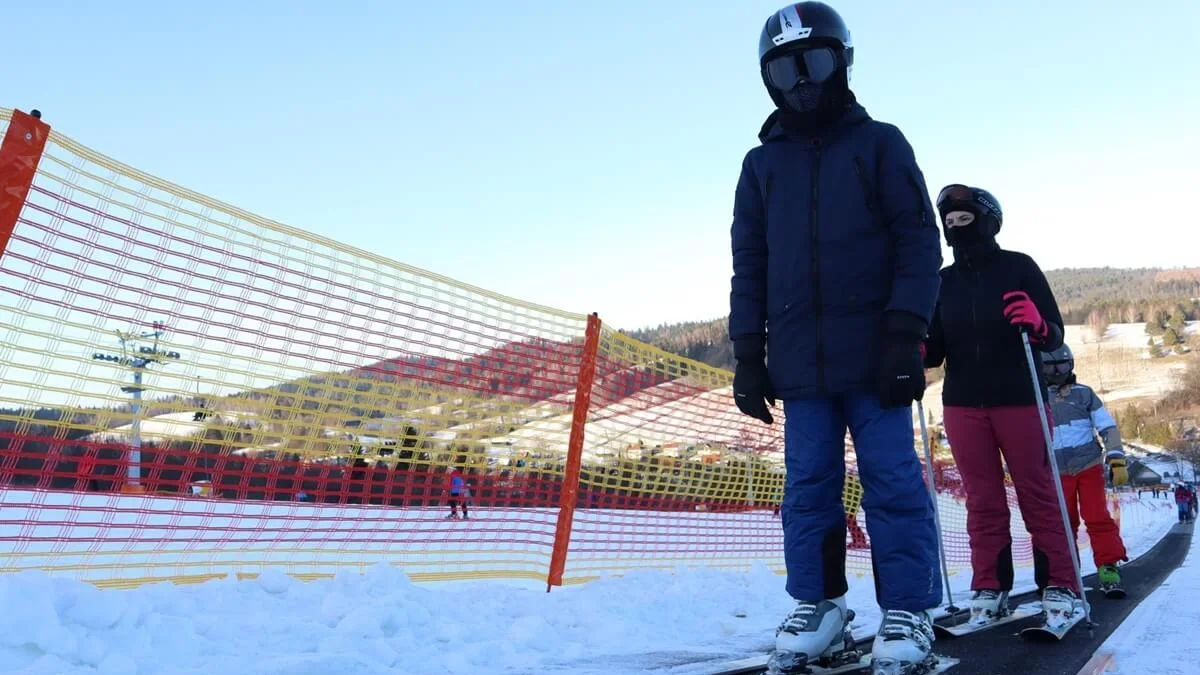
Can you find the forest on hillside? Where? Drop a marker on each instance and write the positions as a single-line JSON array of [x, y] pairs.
[[1096, 295]]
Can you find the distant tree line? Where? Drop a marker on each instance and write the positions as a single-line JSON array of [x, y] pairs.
[[1097, 297]]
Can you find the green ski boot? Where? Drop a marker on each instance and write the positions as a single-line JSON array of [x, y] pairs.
[[1110, 581]]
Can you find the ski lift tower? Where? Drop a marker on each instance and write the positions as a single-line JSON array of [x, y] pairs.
[[136, 356]]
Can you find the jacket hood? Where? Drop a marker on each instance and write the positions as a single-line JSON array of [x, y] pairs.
[[772, 128]]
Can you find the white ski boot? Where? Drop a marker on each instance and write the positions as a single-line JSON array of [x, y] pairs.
[[1058, 606], [988, 606], [904, 644], [815, 633]]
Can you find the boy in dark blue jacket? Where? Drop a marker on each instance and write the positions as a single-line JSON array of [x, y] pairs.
[[836, 256]]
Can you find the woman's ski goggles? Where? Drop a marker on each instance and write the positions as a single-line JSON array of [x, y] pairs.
[[955, 193], [814, 65]]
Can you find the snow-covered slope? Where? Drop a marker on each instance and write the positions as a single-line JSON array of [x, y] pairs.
[[367, 624]]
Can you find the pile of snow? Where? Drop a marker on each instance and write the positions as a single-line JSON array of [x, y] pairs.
[[367, 624]]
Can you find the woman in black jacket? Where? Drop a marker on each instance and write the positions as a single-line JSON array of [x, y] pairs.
[[988, 296]]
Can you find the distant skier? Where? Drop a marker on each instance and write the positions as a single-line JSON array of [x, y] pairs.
[[1079, 417], [458, 493], [835, 274], [1183, 501], [987, 296]]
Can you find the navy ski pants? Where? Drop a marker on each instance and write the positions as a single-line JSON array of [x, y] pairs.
[[895, 497]]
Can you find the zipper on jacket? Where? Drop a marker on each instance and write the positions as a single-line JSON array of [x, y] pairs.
[[816, 262]]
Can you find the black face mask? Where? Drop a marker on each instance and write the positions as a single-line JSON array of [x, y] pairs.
[[982, 230], [808, 105], [967, 235], [805, 98]]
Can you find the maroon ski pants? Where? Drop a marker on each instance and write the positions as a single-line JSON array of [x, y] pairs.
[[978, 438]]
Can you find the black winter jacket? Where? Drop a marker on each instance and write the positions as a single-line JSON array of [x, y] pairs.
[[985, 359], [835, 244]]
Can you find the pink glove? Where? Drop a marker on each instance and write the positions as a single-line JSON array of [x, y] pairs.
[[1022, 313]]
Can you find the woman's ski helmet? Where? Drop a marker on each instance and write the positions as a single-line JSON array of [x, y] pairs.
[[989, 217]]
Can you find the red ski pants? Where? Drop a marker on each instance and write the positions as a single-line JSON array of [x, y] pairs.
[[979, 437], [1085, 494]]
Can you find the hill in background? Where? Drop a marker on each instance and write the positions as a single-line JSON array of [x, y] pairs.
[[1096, 296]]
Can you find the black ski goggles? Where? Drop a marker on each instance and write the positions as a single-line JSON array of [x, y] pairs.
[[816, 65], [955, 193]]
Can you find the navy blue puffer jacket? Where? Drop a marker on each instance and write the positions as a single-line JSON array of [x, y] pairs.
[[834, 236]]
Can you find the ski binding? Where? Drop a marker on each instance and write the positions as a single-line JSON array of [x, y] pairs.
[[792, 663], [1022, 611], [1112, 591], [931, 666], [1046, 632]]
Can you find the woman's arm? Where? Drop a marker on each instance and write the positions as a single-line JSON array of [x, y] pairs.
[[1038, 289]]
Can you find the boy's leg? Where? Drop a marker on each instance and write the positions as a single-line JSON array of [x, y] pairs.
[[1023, 442], [1071, 489], [976, 454], [814, 522], [1107, 547], [904, 546]]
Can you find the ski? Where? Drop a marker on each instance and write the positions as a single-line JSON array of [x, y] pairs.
[[1022, 611], [1045, 633], [863, 666]]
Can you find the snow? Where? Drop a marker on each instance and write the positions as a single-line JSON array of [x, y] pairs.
[[159, 428], [1159, 635], [369, 623]]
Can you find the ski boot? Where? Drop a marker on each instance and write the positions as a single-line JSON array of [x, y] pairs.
[[1058, 607], [988, 606], [1110, 581], [814, 634], [904, 644]]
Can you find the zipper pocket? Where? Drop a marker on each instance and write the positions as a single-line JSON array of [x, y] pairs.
[[868, 193], [921, 195]]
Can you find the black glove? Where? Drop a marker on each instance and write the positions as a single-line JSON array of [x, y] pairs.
[[902, 369], [752, 390]]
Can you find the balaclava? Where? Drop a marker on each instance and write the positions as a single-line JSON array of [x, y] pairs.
[[809, 106], [979, 236]]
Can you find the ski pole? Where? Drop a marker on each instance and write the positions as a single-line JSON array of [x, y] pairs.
[[1062, 501], [937, 520]]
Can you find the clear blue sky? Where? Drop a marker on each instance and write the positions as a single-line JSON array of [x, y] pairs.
[[584, 155]]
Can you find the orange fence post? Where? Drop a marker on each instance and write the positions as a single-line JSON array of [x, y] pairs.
[[570, 487], [20, 153]]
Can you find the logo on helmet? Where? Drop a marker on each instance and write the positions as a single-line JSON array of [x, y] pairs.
[[790, 26], [983, 200]]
